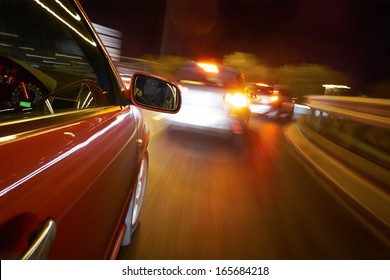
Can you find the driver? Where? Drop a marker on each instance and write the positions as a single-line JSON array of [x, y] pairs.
[[151, 94]]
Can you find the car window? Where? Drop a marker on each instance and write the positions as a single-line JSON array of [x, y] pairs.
[[49, 63], [260, 90], [224, 77]]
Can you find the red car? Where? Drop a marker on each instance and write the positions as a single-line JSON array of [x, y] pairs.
[[73, 142]]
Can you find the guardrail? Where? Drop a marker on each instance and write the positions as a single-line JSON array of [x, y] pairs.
[[371, 111], [361, 125], [347, 140], [347, 174]]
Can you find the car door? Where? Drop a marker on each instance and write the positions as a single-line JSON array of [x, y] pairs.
[[68, 150], [73, 171]]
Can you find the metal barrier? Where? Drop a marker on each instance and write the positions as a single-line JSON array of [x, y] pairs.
[[371, 111], [361, 125]]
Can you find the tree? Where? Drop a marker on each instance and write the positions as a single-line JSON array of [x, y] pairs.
[[251, 66], [307, 79]]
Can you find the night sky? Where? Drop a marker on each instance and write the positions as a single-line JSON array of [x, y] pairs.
[[350, 36]]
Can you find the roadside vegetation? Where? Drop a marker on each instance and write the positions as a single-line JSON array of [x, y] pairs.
[[301, 79]]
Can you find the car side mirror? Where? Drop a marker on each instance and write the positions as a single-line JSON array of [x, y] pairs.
[[154, 93]]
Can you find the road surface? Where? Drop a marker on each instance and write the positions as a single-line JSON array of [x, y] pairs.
[[207, 200]]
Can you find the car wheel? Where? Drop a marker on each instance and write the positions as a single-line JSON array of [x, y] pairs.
[[290, 116], [239, 139], [133, 214]]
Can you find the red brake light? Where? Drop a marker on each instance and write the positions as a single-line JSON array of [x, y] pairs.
[[208, 67], [274, 98]]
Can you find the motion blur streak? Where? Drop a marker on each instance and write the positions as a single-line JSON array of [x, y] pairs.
[[66, 23], [207, 200]]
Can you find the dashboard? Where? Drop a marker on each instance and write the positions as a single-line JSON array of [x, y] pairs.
[[20, 91]]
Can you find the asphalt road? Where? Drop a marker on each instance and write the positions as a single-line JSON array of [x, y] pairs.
[[207, 200]]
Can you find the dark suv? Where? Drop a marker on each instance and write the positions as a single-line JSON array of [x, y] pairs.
[[213, 100], [271, 101]]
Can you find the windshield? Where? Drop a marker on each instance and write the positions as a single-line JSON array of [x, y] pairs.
[[224, 77], [260, 90]]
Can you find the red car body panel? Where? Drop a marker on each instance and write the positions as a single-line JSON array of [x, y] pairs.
[[43, 171]]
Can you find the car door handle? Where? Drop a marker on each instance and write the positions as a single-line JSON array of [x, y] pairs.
[[41, 245]]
